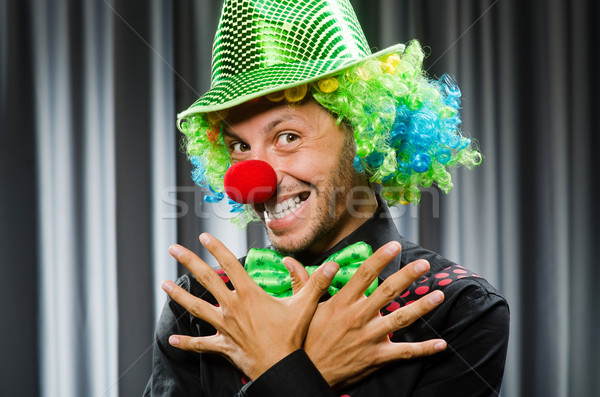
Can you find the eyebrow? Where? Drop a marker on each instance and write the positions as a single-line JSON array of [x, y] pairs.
[[230, 134], [268, 127]]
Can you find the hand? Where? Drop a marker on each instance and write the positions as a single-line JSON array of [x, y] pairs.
[[254, 329], [348, 338]]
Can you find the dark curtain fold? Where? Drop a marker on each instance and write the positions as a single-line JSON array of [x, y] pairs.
[[18, 208], [526, 218], [132, 104]]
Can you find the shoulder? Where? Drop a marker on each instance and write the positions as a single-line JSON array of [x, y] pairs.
[[460, 286], [468, 298], [473, 319], [175, 319], [457, 282]]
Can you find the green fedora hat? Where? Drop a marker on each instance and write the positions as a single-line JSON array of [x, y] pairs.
[[264, 46]]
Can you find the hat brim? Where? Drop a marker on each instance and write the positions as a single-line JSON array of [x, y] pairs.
[[235, 90]]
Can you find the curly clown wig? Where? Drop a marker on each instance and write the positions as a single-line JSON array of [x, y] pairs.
[[406, 127]]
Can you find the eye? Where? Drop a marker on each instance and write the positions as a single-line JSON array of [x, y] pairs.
[[287, 138], [239, 147]]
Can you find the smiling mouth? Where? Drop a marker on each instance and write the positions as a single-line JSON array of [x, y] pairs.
[[286, 207]]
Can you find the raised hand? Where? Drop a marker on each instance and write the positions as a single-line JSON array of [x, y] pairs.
[[254, 329], [348, 337]]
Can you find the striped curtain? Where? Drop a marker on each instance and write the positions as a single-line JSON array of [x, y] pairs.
[[95, 187]]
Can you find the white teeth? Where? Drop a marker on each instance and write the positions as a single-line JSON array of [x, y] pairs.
[[283, 209]]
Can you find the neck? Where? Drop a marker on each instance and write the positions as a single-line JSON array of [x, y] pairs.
[[360, 206]]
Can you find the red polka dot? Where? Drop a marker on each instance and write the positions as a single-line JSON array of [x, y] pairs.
[[393, 306], [463, 276], [408, 303], [217, 305], [421, 290], [447, 268], [245, 379], [404, 295], [224, 278], [459, 271], [345, 395], [390, 335], [422, 281], [441, 275], [445, 281]]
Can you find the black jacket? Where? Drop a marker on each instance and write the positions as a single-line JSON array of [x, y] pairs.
[[473, 319]]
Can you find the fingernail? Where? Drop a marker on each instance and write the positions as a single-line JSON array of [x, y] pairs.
[[436, 297], [167, 286], [421, 267], [175, 250], [392, 248], [330, 269], [440, 346], [174, 340], [288, 266], [204, 238]]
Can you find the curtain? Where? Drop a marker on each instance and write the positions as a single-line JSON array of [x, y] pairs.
[[95, 186]]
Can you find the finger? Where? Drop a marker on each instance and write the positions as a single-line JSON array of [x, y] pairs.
[[319, 281], [407, 351], [370, 269], [228, 261], [197, 307], [202, 271], [395, 284], [407, 315], [201, 344], [298, 273]]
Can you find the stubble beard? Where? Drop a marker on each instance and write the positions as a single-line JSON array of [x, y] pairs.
[[329, 205]]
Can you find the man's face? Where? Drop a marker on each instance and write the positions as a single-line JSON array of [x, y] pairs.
[[313, 160]]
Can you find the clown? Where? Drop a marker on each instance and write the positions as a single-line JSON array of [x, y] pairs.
[[309, 132]]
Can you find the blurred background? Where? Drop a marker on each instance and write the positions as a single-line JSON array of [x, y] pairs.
[[94, 186]]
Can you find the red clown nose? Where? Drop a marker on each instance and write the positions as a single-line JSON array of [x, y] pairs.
[[250, 182]]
